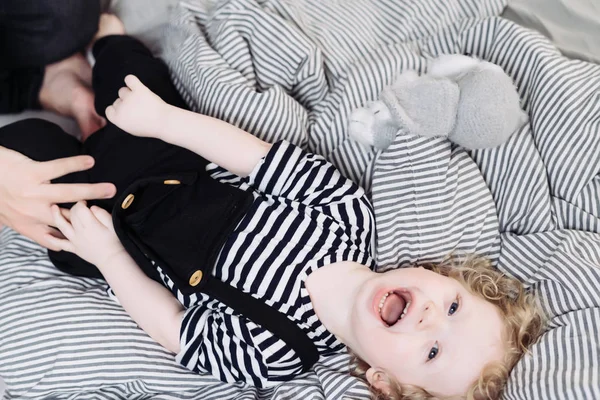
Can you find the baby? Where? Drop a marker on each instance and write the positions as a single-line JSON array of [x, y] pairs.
[[449, 331], [301, 244]]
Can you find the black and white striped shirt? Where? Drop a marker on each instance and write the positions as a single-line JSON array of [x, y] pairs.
[[305, 215]]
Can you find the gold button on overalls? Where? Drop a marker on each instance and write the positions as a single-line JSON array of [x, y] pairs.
[[196, 278], [127, 202]]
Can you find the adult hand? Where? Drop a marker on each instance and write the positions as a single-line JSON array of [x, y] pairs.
[[26, 194]]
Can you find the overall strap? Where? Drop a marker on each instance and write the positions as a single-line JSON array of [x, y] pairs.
[[260, 313]]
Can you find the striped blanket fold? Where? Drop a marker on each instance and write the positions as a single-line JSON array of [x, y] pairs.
[[294, 70]]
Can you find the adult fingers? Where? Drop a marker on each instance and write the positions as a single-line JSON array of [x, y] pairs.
[[53, 169], [46, 217], [103, 216], [41, 234], [74, 192]]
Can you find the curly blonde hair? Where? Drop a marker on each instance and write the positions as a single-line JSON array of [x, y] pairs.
[[523, 321]]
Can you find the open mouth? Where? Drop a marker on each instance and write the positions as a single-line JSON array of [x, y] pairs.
[[394, 306]]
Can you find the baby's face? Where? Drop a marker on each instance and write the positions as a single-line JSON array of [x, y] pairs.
[[442, 341]]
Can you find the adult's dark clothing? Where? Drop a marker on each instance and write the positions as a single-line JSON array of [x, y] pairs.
[[34, 34]]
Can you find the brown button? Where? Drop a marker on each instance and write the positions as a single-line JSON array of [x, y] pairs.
[[196, 278], [172, 182], [127, 202]]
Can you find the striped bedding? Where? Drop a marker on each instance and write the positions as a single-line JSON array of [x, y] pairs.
[[295, 70]]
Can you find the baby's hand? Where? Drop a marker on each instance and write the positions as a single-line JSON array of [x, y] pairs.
[[90, 234], [138, 110]]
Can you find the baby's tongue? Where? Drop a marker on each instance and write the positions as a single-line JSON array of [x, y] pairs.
[[392, 308]]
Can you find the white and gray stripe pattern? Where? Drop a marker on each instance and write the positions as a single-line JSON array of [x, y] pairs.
[[295, 70]]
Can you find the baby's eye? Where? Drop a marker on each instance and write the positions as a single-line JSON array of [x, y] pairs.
[[453, 307], [433, 352]]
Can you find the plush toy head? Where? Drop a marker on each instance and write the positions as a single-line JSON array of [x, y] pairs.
[[473, 103]]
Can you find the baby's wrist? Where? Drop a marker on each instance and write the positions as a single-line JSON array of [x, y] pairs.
[[112, 259], [164, 122]]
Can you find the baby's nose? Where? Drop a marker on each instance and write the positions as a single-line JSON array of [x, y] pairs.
[[430, 316]]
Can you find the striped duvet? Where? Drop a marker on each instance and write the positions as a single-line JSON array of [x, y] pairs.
[[295, 70]]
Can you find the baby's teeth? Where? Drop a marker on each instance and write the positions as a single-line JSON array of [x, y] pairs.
[[405, 310], [382, 302]]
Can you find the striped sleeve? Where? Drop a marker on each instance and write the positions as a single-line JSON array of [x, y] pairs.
[[290, 172], [224, 345]]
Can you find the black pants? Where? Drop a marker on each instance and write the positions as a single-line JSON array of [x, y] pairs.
[[120, 157], [36, 33]]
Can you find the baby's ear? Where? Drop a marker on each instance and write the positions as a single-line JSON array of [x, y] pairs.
[[379, 380]]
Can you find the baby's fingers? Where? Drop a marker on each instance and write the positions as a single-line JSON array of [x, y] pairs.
[[113, 110], [133, 82], [124, 92], [111, 114], [82, 217], [103, 216], [61, 223]]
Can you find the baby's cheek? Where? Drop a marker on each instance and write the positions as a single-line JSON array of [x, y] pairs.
[[392, 353]]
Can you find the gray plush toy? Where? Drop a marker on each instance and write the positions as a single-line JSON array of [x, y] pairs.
[[471, 102]]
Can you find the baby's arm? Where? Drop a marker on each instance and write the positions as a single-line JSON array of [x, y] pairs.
[[142, 113], [90, 235], [151, 305]]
